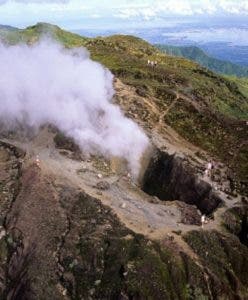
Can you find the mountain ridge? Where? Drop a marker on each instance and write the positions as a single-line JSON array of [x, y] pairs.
[[196, 54], [7, 27]]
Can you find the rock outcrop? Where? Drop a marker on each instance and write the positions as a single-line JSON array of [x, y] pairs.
[[169, 178]]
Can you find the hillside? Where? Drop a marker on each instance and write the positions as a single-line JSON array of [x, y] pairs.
[[6, 27], [196, 54], [74, 226], [242, 83], [32, 34], [207, 118]]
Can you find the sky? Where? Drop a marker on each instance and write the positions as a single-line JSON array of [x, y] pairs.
[[78, 14]]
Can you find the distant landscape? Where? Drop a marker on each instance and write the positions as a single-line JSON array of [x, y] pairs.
[[229, 58], [198, 55], [233, 47]]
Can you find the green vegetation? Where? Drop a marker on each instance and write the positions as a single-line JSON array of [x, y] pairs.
[[172, 74], [224, 256], [235, 220], [242, 84], [210, 116], [32, 34], [198, 55]]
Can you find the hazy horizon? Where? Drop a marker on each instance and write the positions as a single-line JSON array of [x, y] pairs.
[[79, 14], [218, 27]]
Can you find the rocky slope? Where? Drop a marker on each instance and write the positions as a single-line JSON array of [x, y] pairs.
[[81, 228]]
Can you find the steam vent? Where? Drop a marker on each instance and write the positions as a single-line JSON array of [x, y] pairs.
[[123, 171]]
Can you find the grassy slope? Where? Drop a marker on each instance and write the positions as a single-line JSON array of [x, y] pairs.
[[242, 84], [196, 54], [33, 33], [126, 56], [213, 117]]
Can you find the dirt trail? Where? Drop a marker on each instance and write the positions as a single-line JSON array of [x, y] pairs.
[[162, 116], [161, 134], [129, 93]]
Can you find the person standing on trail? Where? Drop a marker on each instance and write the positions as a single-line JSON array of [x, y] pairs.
[[203, 220], [37, 161], [208, 169]]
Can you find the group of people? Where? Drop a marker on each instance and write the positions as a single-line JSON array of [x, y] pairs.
[[152, 63]]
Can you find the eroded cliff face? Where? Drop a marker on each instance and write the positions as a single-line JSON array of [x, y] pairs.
[[169, 178], [69, 233]]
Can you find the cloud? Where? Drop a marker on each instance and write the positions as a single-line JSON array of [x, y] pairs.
[[236, 36], [127, 13], [45, 83], [72, 13], [95, 16], [35, 1], [234, 7], [160, 8]]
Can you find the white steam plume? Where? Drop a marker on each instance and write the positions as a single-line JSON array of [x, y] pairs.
[[45, 83]]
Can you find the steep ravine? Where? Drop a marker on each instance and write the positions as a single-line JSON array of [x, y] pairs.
[[169, 178]]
